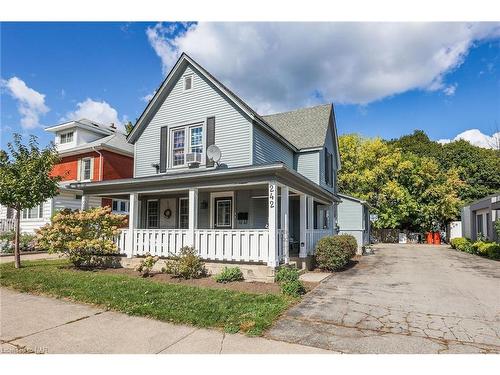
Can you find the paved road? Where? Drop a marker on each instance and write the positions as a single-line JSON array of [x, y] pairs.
[[403, 299], [46, 325]]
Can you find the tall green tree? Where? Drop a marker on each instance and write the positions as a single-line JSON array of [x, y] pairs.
[[25, 178]]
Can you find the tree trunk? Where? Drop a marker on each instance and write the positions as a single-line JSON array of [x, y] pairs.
[[17, 255]]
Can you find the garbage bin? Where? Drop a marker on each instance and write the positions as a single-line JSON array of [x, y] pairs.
[[437, 238], [428, 238]]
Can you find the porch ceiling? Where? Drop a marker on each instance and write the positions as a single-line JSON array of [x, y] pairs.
[[213, 178]]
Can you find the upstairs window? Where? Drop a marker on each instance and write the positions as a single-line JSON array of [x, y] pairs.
[[188, 83], [184, 140], [66, 137]]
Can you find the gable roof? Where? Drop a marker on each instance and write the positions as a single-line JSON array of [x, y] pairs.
[[305, 127], [353, 199], [115, 142]]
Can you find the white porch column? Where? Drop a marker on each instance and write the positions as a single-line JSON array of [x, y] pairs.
[[310, 223], [285, 223], [133, 220], [85, 202], [303, 227], [193, 214], [273, 259]]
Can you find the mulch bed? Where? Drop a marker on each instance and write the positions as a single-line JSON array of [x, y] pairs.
[[209, 282]]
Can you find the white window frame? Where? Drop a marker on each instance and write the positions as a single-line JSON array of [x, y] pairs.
[[66, 134], [82, 167], [157, 216], [118, 205], [26, 213], [184, 79], [183, 199], [187, 142]]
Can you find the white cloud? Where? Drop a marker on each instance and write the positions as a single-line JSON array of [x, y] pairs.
[[97, 111], [148, 97], [450, 90], [477, 138], [31, 103], [278, 66]]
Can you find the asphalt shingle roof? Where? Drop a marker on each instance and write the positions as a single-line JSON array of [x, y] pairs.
[[117, 140], [305, 127]]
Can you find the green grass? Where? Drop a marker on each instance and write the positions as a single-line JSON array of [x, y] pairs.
[[202, 307]]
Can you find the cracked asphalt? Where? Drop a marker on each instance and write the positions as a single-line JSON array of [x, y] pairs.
[[402, 299]]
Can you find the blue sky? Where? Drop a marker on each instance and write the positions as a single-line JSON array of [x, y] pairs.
[[64, 70]]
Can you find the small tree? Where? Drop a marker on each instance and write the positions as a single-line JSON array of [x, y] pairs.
[[129, 127], [25, 179]]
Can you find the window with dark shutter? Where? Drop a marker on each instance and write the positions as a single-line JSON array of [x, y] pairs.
[[210, 138], [330, 168], [327, 170], [163, 149]]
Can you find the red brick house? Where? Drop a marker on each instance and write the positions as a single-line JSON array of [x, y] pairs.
[[89, 152]]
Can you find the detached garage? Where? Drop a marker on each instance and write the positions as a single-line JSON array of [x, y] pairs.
[[353, 217]]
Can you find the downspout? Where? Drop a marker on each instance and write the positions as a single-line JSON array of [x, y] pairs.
[[100, 162]]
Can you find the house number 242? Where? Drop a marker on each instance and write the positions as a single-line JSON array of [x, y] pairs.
[[272, 196]]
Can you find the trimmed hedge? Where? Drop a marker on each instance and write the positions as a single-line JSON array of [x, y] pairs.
[[486, 249], [334, 252]]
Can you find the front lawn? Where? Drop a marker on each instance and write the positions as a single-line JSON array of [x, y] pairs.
[[203, 307]]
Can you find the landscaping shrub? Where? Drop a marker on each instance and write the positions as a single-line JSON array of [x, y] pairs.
[[229, 274], [86, 237], [187, 264], [490, 250], [462, 244], [26, 242], [334, 252], [146, 265], [288, 278]]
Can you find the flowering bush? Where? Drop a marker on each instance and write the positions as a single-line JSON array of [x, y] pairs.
[[84, 236], [187, 264], [146, 265]]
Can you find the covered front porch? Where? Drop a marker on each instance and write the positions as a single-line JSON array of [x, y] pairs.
[[264, 219]]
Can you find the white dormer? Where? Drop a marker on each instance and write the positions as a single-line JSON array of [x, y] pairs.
[[77, 133]]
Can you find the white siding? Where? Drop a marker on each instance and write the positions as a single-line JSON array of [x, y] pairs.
[[3, 212], [308, 165], [232, 127], [67, 200], [30, 225], [267, 149]]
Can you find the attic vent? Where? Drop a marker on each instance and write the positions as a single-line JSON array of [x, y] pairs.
[[188, 83]]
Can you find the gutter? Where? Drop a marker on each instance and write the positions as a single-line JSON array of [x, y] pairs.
[[100, 162]]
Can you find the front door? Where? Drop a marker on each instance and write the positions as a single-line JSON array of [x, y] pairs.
[[223, 213]]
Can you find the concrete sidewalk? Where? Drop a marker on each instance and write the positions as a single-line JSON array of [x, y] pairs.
[[36, 256], [45, 325]]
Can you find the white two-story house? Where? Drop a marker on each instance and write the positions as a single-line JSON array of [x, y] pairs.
[[212, 173]]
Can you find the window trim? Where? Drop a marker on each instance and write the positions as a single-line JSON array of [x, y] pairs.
[[118, 204], [157, 216], [82, 167], [216, 206], [66, 135], [184, 78], [181, 214], [187, 143], [25, 212], [222, 194]]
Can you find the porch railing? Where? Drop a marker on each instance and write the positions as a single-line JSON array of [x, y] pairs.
[[6, 225], [246, 245]]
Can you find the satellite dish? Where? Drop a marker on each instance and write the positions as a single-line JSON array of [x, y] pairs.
[[213, 153]]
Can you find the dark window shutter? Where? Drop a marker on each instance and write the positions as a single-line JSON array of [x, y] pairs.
[[326, 166], [330, 168], [210, 140], [163, 148]]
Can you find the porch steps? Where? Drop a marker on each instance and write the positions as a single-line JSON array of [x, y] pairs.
[[303, 264]]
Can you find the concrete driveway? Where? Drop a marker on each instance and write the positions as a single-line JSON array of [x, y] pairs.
[[402, 299]]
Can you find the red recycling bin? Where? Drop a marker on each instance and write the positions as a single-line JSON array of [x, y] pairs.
[[437, 238], [429, 239]]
